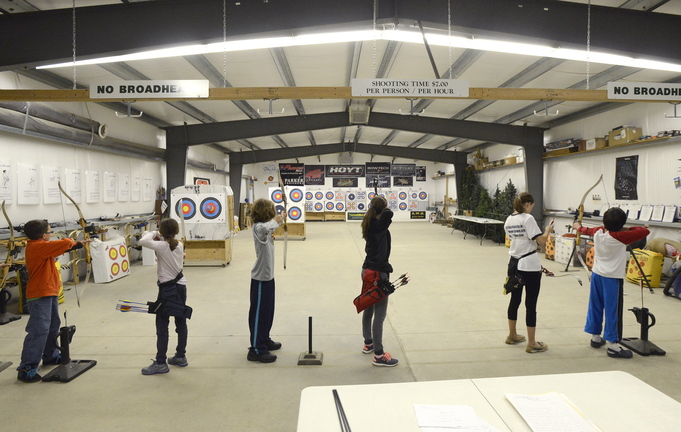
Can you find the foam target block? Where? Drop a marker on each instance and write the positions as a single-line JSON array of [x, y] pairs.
[[651, 263], [110, 260], [564, 246], [549, 248], [590, 255]]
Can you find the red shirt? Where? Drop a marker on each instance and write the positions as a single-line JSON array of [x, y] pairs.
[[43, 278]]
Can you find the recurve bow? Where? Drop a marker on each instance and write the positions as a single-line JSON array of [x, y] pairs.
[[283, 197], [11, 246], [86, 237]]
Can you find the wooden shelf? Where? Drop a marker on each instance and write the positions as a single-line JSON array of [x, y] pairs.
[[500, 166], [643, 143], [444, 175]]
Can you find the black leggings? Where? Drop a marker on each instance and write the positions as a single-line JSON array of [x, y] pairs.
[[532, 284]]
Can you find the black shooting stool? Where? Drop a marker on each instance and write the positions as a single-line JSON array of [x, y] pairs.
[[642, 346], [68, 369]]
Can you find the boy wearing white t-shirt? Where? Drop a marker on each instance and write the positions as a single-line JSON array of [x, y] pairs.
[[610, 261]]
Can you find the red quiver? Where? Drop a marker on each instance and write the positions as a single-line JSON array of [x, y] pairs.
[[373, 290]]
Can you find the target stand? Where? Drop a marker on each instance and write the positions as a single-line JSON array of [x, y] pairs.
[[68, 369], [309, 357]]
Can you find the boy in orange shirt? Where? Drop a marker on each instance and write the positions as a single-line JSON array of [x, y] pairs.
[[42, 292]]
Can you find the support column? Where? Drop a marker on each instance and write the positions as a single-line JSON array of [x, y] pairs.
[[534, 178], [460, 166], [236, 168], [176, 161]]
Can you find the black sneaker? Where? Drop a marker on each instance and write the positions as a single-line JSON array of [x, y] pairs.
[[177, 360], [622, 353], [29, 375], [267, 357], [597, 344], [273, 346]]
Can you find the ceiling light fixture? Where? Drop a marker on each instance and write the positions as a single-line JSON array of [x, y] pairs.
[[406, 36]]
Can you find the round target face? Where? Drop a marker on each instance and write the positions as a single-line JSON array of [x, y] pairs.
[[361, 206], [423, 195], [122, 250], [329, 195], [125, 266], [277, 196], [309, 196], [280, 209], [329, 205], [211, 208], [296, 195], [188, 209], [294, 213], [403, 195], [403, 206], [115, 269], [319, 195], [340, 206], [318, 206], [414, 195], [113, 253], [351, 196], [371, 195]]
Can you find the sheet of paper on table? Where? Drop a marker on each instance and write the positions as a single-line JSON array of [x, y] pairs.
[[449, 418], [551, 412]]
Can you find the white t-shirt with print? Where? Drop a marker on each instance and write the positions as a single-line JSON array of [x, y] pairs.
[[522, 230]]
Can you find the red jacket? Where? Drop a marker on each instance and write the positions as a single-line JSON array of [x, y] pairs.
[[43, 278]]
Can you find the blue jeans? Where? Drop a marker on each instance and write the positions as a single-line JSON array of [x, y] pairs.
[[42, 329]]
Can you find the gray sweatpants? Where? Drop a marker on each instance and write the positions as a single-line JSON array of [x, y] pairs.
[[372, 321]]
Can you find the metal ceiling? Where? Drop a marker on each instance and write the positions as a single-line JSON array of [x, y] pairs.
[[40, 32]]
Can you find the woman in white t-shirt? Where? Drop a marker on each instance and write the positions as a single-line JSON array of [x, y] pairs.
[[525, 237]]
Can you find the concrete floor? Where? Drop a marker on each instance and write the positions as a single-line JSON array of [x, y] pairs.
[[448, 323]]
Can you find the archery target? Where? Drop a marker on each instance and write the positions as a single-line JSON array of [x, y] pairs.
[[211, 207], [402, 195], [340, 196], [319, 195], [276, 196], [109, 260], [372, 195], [352, 196], [403, 206], [289, 202], [423, 195], [361, 206], [294, 214], [296, 195], [318, 207], [329, 195], [330, 205], [187, 209], [340, 206]]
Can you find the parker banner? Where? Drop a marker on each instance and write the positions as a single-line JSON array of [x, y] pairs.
[[292, 174], [314, 175], [626, 178]]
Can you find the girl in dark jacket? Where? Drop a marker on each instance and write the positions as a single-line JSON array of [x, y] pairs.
[[376, 268]]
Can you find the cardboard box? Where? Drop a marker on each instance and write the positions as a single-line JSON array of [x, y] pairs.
[[510, 160], [596, 143], [623, 135]]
